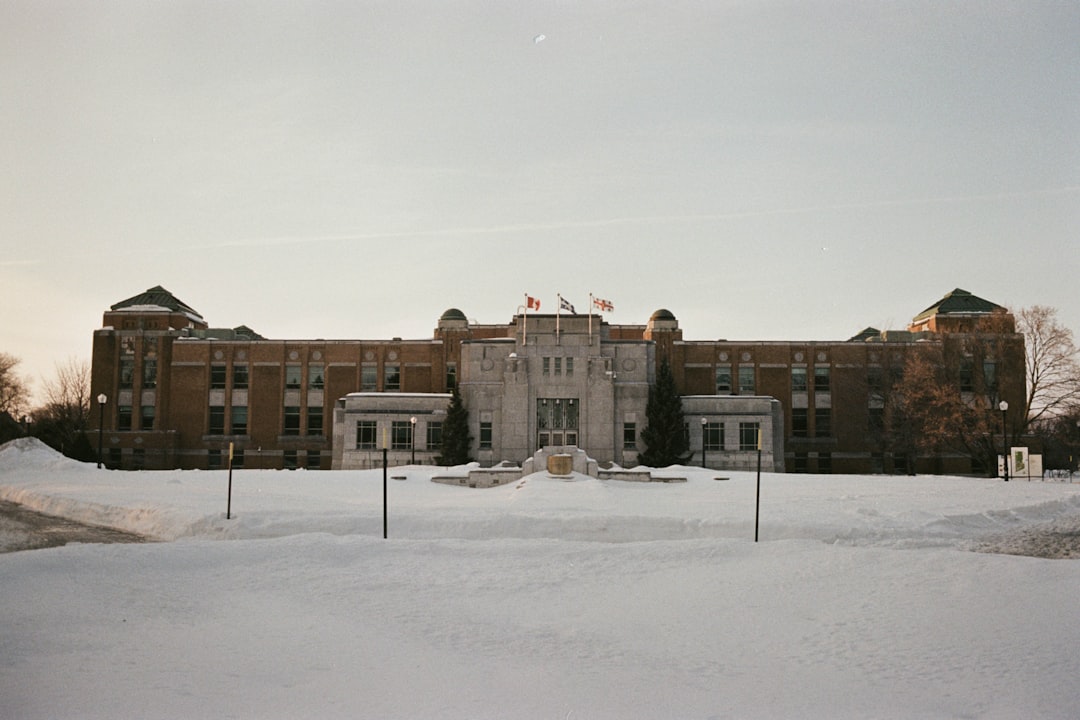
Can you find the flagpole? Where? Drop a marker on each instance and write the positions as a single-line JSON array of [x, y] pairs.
[[525, 323], [558, 315], [590, 319]]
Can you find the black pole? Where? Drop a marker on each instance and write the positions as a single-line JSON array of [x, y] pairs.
[[100, 432], [1005, 439], [757, 507], [384, 523], [228, 504]]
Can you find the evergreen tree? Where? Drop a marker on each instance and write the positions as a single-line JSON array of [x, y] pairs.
[[81, 449], [664, 436], [454, 448]]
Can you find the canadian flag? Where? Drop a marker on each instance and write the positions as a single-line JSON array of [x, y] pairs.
[[532, 303], [604, 305]]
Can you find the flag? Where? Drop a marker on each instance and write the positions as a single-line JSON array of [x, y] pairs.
[[564, 304], [532, 303], [604, 305]]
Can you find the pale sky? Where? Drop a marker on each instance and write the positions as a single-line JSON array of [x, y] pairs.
[[765, 170]]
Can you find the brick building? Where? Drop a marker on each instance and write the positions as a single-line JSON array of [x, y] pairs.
[[179, 392]]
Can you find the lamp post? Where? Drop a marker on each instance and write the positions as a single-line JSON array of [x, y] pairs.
[[1004, 407], [101, 400], [1078, 436], [704, 424], [412, 440]]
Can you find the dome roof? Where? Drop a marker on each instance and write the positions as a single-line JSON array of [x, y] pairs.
[[453, 314], [662, 314]]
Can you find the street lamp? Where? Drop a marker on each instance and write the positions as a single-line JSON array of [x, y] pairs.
[[101, 400], [704, 423], [1004, 406], [412, 440]]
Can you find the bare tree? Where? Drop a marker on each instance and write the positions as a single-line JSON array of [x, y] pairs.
[[70, 389], [1052, 367], [61, 422], [14, 390], [927, 411]]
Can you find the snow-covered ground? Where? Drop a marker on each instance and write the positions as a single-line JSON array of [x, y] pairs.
[[545, 598]]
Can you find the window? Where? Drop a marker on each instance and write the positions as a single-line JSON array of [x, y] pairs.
[[746, 379], [798, 379], [822, 381], [393, 378], [146, 414], [217, 377], [822, 422], [401, 435], [451, 376], [569, 367], [800, 462], [558, 366], [546, 364], [875, 379], [238, 459], [292, 420], [556, 414], [314, 460], [292, 376], [213, 459], [217, 420], [138, 458], [800, 422], [239, 420], [723, 379], [240, 377], [365, 435], [316, 379], [748, 435], [149, 373], [967, 375], [434, 435], [369, 378], [485, 435], [123, 418], [712, 436], [990, 375], [315, 420], [290, 460], [877, 419], [127, 372], [824, 463], [629, 436]]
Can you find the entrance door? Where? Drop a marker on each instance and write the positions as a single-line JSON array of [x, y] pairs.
[[556, 422]]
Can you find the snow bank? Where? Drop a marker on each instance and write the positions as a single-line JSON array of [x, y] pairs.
[[887, 511]]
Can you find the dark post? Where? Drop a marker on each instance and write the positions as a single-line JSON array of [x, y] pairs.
[[101, 399], [384, 463], [228, 504], [757, 506]]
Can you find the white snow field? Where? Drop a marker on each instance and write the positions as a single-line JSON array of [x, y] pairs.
[[545, 598]]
